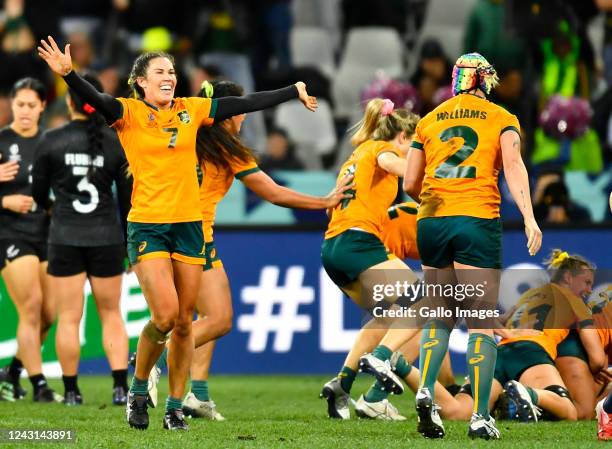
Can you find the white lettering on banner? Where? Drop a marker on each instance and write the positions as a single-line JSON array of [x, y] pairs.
[[132, 300], [265, 320], [333, 336]]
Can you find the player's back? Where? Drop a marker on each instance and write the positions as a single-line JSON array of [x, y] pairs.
[[84, 212], [461, 141], [551, 309], [374, 191]]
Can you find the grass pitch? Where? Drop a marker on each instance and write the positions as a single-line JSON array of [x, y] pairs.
[[265, 412]]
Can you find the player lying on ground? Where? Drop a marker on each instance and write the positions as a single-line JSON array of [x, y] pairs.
[[572, 359]]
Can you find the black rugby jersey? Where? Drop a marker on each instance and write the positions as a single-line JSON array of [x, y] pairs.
[[33, 225], [84, 212]]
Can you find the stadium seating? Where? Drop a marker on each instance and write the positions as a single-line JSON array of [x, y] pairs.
[[312, 46], [313, 134], [445, 24], [367, 51], [237, 67]]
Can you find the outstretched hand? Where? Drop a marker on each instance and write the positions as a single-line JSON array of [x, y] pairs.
[[309, 102], [60, 63]]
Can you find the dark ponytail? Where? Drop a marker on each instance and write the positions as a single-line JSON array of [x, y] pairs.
[[215, 144], [95, 122]]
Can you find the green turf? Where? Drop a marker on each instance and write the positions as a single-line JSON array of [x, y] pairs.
[[267, 412]]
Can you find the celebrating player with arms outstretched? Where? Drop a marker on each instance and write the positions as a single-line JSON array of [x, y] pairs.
[[165, 240]]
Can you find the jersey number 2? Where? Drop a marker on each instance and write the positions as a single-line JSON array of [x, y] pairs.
[[85, 186], [450, 167]]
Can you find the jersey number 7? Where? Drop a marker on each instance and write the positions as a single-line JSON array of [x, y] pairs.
[[173, 136], [450, 167]]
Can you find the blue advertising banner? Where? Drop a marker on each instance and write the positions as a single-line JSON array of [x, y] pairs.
[[288, 315]]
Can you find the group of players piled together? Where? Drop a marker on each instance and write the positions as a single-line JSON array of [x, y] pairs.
[[183, 154]]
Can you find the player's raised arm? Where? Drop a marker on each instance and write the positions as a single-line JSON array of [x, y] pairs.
[[518, 183], [61, 63], [230, 106]]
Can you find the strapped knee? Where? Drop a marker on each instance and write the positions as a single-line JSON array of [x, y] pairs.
[[559, 390], [154, 334]]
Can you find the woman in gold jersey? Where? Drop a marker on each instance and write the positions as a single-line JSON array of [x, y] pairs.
[[165, 240], [453, 169], [223, 157], [542, 318], [353, 253]]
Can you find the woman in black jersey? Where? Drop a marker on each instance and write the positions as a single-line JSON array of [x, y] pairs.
[[80, 161], [23, 236]]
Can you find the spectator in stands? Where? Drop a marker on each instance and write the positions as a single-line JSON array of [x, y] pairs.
[[486, 34], [552, 202], [18, 39], [602, 123], [564, 69], [565, 137], [280, 153], [433, 72]]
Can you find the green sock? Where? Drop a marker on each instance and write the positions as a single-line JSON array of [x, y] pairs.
[[532, 394], [402, 368], [382, 352], [200, 389], [434, 344], [162, 362], [347, 377], [481, 356], [173, 403], [139, 386], [376, 393]]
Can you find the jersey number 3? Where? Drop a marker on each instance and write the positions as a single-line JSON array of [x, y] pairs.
[[85, 186], [450, 167]]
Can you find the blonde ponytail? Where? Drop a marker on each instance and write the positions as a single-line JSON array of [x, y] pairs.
[[381, 122]]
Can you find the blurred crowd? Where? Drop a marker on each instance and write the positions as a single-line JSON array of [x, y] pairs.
[[554, 59]]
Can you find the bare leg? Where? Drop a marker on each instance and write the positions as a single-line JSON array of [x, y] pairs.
[[107, 293], [539, 377], [157, 282], [214, 306], [68, 294], [180, 351], [22, 279]]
